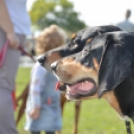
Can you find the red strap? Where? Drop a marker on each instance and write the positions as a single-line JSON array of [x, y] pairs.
[[3, 54], [24, 52], [14, 100]]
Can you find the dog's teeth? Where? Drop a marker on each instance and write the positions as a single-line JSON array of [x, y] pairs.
[[82, 83], [86, 81]]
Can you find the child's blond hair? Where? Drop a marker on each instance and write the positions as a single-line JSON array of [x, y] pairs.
[[50, 38]]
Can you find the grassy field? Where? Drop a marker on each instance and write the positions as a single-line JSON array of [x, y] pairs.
[[96, 116]]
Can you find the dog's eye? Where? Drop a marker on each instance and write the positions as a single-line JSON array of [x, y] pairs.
[[70, 44], [75, 44]]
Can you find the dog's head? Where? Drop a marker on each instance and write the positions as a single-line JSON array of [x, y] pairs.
[[75, 45], [100, 67], [79, 72]]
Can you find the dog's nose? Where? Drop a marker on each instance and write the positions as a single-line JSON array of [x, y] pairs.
[[53, 66], [41, 60]]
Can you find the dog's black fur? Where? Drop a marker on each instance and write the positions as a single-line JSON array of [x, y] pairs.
[[108, 44], [117, 70], [115, 53]]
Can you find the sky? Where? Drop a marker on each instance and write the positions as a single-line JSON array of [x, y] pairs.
[[101, 12]]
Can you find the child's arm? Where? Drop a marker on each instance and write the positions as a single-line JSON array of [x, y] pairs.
[[37, 80]]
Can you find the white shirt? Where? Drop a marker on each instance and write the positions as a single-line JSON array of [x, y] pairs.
[[19, 16], [126, 26]]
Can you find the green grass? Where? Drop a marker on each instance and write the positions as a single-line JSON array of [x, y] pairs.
[[96, 116]]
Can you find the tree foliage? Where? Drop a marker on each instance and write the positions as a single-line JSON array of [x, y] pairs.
[[60, 12]]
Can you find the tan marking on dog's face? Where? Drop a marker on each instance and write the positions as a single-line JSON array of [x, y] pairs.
[[50, 58], [88, 40], [96, 64], [112, 100], [69, 71], [73, 36]]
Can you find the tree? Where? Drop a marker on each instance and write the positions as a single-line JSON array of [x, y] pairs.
[[46, 12]]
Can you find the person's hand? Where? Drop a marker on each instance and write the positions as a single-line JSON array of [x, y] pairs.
[[35, 113], [13, 40]]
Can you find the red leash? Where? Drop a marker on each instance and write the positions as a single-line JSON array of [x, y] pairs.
[[3, 54], [24, 52], [4, 50], [2, 60]]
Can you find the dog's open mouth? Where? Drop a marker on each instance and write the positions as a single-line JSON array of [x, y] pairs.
[[61, 86], [78, 90]]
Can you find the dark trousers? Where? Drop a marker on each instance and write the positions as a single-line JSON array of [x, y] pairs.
[[33, 132]]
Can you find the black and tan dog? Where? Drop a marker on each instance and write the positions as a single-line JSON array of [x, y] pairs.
[[104, 68], [75, 45]]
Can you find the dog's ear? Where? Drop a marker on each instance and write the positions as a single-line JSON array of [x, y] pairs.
[[115, 67]]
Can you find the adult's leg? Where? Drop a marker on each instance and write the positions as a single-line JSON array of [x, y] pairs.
[[7, 123], [7, 80]]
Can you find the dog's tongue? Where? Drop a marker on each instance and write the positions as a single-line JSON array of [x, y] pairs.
[[81, 88], [57, 85]]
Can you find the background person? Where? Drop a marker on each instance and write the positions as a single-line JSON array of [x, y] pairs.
[[43, 112], [126, 25]]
